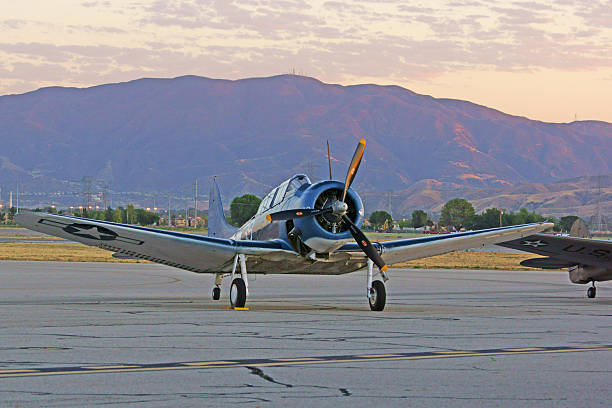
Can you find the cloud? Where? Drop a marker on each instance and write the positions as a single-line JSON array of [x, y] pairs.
[[389, 40]]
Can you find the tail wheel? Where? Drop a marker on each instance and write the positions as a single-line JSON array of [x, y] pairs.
[[238, 293], [378, 296], [216, 294]]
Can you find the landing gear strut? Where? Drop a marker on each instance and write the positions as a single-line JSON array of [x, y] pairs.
[[592, 291], [377, 294]]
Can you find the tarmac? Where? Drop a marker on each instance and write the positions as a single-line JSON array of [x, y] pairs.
[[87, 334]]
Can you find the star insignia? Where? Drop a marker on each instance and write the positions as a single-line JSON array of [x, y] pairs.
[[91, 232], [534, 244]]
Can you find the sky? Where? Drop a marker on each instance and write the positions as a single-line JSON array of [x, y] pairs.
[[547, 60]]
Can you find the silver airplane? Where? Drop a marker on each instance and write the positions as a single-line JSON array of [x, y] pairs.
[[300, 228]]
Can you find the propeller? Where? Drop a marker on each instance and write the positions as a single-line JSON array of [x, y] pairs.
[[352, 170], [365, 244], [293, 214], [339, 208]]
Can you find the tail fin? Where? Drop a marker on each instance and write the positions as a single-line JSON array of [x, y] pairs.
[[217, 224]]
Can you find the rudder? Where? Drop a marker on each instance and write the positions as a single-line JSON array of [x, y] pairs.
[[217, 223]]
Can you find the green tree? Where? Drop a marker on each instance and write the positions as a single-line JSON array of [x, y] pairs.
[[565, 223], [243, 208], [456, 213], [108, 214], [378, 218], [117, 216], [419, 218], [130, 214], [404, 223], [144, 217]]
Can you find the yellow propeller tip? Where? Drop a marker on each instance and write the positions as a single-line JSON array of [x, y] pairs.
[[268, 217], [362, 141], [384, 268]]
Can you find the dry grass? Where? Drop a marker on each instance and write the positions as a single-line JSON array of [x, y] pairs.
[[83, 253], [471, 260], [56, 252]]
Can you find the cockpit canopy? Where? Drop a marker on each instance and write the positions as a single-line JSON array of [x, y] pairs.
[[286, 189]]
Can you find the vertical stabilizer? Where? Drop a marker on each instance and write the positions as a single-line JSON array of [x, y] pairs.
[[217, 224]]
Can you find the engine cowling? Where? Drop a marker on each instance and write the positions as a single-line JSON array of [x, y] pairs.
[[588, 273], [326, 232]]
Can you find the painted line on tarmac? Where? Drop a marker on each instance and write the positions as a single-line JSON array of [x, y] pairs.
[[278, 362]]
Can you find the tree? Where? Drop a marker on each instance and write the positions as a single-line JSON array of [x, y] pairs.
[[117, 217], [566, 222], [419, 218], [456, 213], [378, 218], [404, 223], [108, 214], [243, 208], [130, 214]]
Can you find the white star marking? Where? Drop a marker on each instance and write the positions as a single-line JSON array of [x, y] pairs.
[[534, 244]]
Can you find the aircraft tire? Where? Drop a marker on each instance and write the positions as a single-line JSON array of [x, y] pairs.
[[216, 294], [379, 297], [238, 293], [591, 292]]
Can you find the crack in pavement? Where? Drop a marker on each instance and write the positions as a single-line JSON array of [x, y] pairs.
[[259, 372]]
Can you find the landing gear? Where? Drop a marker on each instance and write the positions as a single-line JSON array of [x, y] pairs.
[[377, 294], [216, 294], [238, 293], [592, 291], [239, 290]]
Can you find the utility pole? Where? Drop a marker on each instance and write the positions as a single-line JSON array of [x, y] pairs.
[[195, 211], [169, 216], [17, 198], [11, 200], [186, 206]]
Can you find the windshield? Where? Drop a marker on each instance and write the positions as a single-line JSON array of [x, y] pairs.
[[286, 189]]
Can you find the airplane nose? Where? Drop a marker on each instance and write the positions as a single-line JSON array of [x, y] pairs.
[[339, 207]]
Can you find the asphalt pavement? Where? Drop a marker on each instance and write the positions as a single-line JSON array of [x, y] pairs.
[[87, 334]]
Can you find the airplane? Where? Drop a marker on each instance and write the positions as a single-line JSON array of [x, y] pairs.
[[587, 260], [300, 228]]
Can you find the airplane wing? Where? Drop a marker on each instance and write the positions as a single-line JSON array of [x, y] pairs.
[[562, 252], [192, 252], [409, 249]]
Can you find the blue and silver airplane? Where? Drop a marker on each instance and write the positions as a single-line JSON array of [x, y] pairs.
[[300, 228]]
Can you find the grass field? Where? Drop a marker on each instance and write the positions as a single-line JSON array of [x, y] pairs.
[[83, 253]]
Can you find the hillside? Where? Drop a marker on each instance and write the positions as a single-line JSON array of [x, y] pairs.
[[161, 134]]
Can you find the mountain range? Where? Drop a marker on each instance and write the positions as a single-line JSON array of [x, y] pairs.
[[156, 136]]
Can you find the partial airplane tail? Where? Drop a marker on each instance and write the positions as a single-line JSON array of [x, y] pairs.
[[217, 224]]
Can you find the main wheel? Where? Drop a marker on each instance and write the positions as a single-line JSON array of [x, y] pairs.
[[238, 293], [378, 296], [591, 292], [216, 293]]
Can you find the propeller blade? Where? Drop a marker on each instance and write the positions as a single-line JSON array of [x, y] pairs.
[[350, 175], [329, 161], [299, 213], [365, 244]]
